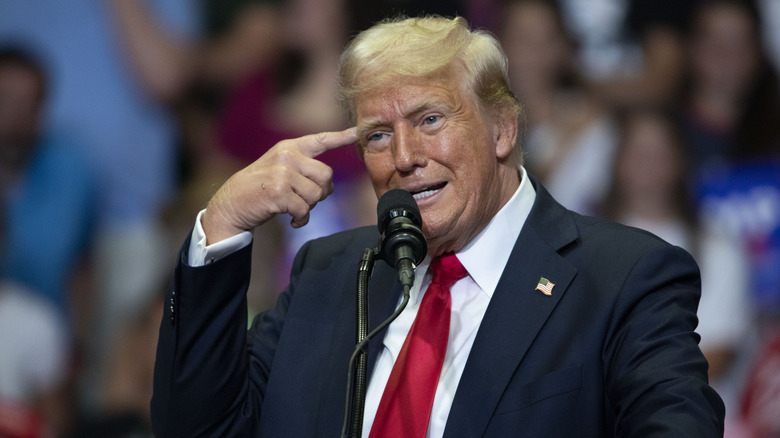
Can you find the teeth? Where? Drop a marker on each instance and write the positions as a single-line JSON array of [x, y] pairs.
[[424, 194]]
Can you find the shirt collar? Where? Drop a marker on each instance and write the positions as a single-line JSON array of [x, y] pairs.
[[487, 254]]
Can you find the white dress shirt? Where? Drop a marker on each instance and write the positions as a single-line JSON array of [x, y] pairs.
[[484, 258]]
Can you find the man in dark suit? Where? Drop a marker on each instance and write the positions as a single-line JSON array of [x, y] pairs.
[[563, 324]]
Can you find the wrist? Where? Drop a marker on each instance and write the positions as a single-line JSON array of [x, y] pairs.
[[215, 227]]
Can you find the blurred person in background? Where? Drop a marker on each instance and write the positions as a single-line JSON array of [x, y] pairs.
[[197, 77], [731, 117], [193, 76], [731, 110], [650, 190], [128, 135], [46, 209], [570, 138], [731, 99], [630, 51], [43, 176]]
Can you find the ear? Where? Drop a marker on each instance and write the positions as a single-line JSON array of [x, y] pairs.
[[505, 132]]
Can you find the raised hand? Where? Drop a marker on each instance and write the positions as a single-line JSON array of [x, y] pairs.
[[285, 180]]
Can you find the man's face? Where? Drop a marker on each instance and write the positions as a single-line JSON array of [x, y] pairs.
[[430, 137], [19, 105], [20, 98]]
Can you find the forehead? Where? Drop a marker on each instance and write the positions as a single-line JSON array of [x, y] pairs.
[[404, 96], [725, 18], [20, 79], [17, 72]]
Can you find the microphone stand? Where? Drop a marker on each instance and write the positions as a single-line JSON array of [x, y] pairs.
[[361, 361]]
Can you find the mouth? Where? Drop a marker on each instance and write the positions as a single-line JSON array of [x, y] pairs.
[[427, 192]]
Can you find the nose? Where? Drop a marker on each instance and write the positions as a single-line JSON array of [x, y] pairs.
[[408, 150]]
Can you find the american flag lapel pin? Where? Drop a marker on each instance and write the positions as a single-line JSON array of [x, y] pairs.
[[545, 286]]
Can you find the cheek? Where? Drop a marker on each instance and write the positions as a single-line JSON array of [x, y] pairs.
[[380, 169]]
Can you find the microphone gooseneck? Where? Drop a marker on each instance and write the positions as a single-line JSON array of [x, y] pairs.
[[400, 223]]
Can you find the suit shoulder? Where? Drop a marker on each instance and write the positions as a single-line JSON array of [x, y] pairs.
[[611, 242], [610, 256], [367, 236], [598, 229], [351, 242]]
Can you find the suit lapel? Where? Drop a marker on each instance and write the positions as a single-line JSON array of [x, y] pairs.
[[515, 315]]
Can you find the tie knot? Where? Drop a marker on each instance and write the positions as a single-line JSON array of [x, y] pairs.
[[447, 269]]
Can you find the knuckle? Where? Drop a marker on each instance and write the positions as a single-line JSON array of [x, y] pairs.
[[321, 137], [318, 196], [284, 144], [271, 188], [285, 156], [299, 209], [328, 173]]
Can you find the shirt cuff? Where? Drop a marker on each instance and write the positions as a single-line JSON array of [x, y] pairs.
[[200, 254]]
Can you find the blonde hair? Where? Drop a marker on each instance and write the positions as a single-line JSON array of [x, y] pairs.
[[422, 46]]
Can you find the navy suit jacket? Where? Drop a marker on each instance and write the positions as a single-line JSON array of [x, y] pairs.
[[612, 352]]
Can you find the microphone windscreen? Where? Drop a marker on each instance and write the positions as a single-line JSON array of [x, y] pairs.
[[394, 203]]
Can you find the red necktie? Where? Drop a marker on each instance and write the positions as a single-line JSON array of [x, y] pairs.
[[405, 407]]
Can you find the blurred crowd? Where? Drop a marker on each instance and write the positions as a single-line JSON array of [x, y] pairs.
[[119, 119]]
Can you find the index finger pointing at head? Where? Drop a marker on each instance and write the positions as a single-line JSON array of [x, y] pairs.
[[315, 144]]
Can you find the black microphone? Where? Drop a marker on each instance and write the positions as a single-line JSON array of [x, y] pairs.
[[400, 223]]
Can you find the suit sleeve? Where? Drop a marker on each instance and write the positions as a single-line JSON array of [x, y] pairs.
[[656, 373], [204, 385]]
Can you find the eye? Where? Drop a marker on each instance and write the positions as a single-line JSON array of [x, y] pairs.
[[375, 136], [377, 141], [430, 120]]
